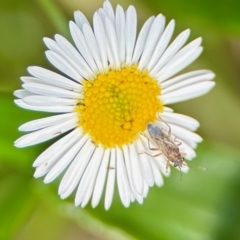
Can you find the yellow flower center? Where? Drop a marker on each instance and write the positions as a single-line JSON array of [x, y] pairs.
[[117, 106]]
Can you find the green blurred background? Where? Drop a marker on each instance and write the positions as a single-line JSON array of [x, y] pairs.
[[204, 205]]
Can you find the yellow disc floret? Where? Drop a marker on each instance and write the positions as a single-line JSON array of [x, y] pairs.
[[118, 105]]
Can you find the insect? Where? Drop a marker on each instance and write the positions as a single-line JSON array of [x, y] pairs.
[[168, 147]]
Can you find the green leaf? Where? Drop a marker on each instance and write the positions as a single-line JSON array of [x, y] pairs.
[[13, 118], [16, 204], [56, 16], [212, 15]]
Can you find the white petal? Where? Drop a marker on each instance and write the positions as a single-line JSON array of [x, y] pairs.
[[68, 57], [36, 100], [183, 169], [92, 46], [22, 93], [45, 122], [139, 197], [158, 179], [72, 53], [171, 50], [186, 50], [185, 93], [61, 64], [31, 79], [54, 83], [167, 109], [145, 189], [191, 139], [99, 185], [81, 44], [54, 79], [145, 163], [111, 60], [47, 90], [153, 36], [53, 109], [108, 9], [161, 163], [112, 41], [178, 64], [45, 134], [141, 40], [86, 185], [53, 150], [131, 31], [187, 136], [63, 162], [122, 179], [186, 79], [102, 14], [136, 174], [181, 120], [186, 149], [110, 180], [120, 30], [156, 156], [182, 59], [132, 198], [93, 176], [76, 169], [101, 40], [45, 164], [80, 19], [134, 195]]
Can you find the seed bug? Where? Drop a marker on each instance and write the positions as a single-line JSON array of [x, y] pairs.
[[168, 147]]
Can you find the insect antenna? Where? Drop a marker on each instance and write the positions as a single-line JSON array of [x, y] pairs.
[[199, 167], [180, 173]]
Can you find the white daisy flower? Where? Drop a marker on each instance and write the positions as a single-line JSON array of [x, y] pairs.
[[114, 84]]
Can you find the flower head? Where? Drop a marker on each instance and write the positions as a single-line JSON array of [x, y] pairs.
[[114, 84]]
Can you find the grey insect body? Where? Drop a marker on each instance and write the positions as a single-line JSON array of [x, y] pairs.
[[168, 147]]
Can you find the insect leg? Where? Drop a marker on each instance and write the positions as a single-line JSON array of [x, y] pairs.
[[183, 155], [178, 142], [167, 165], [169, 131], [150, 147], [156, 155]]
